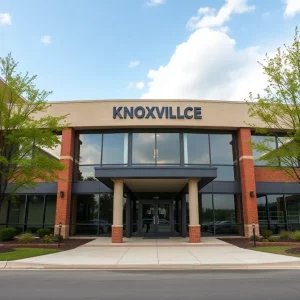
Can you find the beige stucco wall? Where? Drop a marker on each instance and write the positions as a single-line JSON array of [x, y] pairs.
[[99, 114]]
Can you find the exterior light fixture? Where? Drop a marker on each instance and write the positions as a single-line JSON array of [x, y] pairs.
[[61, 193], [252, 195]]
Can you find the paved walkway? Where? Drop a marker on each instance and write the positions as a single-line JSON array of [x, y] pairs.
[[169, 252]]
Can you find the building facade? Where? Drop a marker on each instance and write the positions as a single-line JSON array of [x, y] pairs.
[[160, 168]]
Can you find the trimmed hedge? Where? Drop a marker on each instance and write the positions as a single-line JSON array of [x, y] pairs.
[[8, 234], [42, 232]]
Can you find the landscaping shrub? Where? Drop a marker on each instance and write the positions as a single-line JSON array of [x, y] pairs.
[[286, 235], [297, 235], [8, 234], [42, 232], [48, 238], [26, 238], [57, 238], [265, 240], [256, 237], [266, 233], [274, 239]]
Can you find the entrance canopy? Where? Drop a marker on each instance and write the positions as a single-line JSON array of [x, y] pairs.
[[156, 179]]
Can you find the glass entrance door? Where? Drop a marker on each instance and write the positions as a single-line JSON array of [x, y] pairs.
[[156, 218]]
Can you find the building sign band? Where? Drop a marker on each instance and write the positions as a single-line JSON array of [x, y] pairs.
[[155, 112]]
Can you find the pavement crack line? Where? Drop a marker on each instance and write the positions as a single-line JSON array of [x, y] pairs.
[[123, 256], [194, 256]]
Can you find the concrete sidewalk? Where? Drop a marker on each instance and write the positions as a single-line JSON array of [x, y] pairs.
[[156, 254]]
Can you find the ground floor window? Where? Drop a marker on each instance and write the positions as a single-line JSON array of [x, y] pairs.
[[219, 214], [93, 214], [278, 212], [29, 212]]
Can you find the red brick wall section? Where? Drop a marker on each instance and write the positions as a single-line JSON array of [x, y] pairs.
[[117, 234], [247, 174], [194, 234], [65, 183], [264, 174]]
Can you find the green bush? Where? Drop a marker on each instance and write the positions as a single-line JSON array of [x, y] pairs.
[[57, 238], [8, 234], [274, 239], [266, 233], [48, 239], [42, 232], [265, 240], [26, 238], [286, 235], [297, 235], [256, 237]]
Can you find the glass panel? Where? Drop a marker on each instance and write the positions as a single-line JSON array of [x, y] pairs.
[[293, 211], [87, 209], [3, 213], [87, 173], [148, 218], [106, 214], [225, 214], [196, 148], [90, 149], [135, 217], [53, 153], [17, 210], [221, 147], [168, 149], [163, 218], [115, 148], [35, 210], [206, 215], [50, 210], [276, 212], [225, 173], [143, 146], [270, 144], [177, 216]]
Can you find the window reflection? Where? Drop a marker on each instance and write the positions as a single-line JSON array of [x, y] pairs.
[[196, 148], [143, 148], [221, 147], [90, 149], [168, 149], [115, 148], [225, 173], [270, 143]]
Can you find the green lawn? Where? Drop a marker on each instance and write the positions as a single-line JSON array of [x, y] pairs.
[[20, 253], [276, 250]]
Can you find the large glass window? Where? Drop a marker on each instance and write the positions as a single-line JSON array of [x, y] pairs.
[[196, 149], [50, 211], [221, 147], [3, 214], [270, 142], [143, 148], [35, 210], [16, 215], [115, 149], [168, 148], [90, 149]]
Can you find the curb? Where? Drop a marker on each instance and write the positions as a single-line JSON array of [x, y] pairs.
[[10, 265]]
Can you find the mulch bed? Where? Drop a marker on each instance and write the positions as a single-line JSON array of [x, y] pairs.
[[293, 251], [6, 249], [37, 243], [246, 243]]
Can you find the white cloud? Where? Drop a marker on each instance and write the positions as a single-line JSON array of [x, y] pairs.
[[140, 85], [46, 39], [133, 64], [292, 7], [5, 19], [152, 3], [266, 14], [207, 16], [208, 66]]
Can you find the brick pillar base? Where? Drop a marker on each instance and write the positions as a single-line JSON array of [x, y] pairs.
[[249, 230], [195, 233], [64, 230], [117, 233]]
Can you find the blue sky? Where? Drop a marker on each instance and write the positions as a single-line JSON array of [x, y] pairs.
[[82, 49]]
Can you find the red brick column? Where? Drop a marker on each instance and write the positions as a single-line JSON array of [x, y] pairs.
[[194, 233], [64, 185], [248, 184], [117, 234]]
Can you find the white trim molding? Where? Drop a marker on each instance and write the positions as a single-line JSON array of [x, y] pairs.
[[246, 157]]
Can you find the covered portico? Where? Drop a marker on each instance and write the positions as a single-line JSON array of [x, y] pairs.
[[134, 180]]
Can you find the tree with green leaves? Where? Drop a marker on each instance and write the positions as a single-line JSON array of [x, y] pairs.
[[278, 110], [27, 132]]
